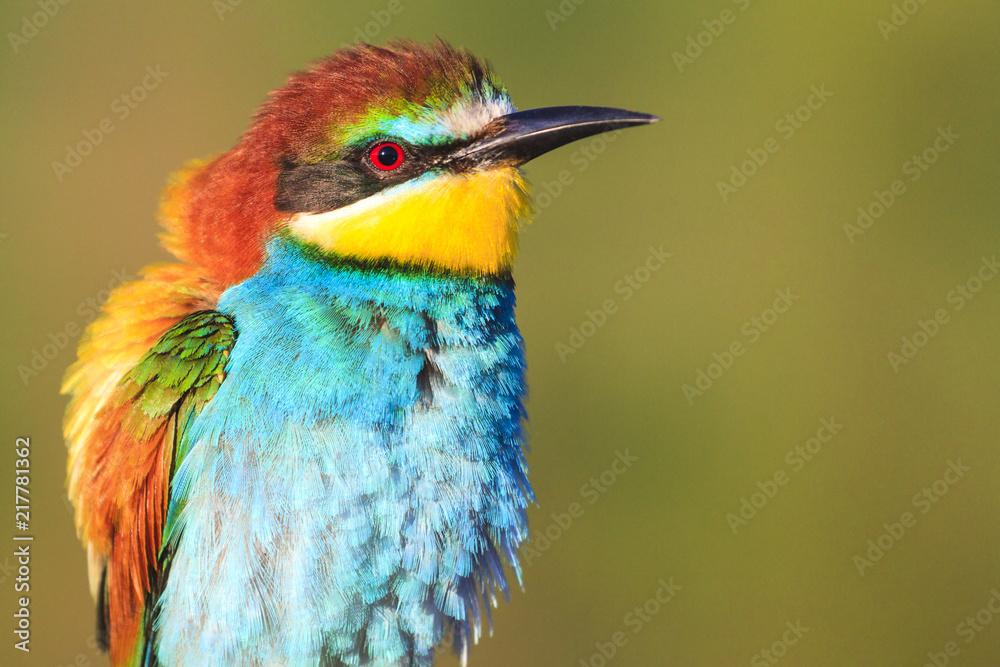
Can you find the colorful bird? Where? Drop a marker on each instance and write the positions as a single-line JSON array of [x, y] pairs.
[[303, 444]]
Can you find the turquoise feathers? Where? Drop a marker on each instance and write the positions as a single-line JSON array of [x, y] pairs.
[[357, 485]]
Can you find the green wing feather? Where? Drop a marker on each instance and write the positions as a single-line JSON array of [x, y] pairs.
[[135, 454]]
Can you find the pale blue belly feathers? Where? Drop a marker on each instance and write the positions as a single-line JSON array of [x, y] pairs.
[[356, 487]]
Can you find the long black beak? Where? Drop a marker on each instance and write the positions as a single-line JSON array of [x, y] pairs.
[[519, 137]]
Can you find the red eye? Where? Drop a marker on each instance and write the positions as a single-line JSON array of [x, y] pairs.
[[386, 156]]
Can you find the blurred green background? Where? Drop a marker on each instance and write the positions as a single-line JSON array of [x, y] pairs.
[[620, 394]]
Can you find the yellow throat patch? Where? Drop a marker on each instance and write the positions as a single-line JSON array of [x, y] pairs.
[[457, 222]]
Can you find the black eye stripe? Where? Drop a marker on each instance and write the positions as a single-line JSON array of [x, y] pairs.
[[321, 187], [326, 186]]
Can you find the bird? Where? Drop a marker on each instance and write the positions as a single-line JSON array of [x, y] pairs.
[[303, 442]]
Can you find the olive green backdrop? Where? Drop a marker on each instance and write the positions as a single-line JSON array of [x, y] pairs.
[[641, 482]]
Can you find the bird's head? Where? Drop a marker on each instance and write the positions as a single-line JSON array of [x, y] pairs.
[[406, 154]]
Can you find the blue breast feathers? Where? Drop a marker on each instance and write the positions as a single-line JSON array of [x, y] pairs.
[[357, 485]]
